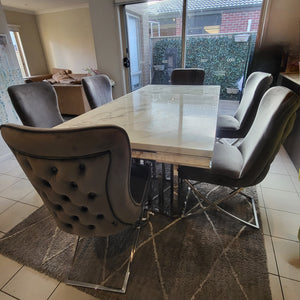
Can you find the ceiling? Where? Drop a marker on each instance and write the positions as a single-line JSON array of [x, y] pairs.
[[43, 6]]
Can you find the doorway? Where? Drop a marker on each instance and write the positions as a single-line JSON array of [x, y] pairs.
[[218, 39], [134, 43]]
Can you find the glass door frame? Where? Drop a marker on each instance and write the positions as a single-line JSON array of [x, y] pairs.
[[124, 34], [137, 19]]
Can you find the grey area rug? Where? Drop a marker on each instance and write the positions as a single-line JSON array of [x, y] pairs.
[[207, 256]]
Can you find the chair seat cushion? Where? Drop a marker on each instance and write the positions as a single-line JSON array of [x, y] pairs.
[[227, 126], [227, 122], [227, 160]]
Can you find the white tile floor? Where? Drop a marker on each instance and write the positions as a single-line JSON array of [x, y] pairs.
[[279, 201]]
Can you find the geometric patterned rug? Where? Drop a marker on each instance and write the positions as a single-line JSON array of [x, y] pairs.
[[206, 256]]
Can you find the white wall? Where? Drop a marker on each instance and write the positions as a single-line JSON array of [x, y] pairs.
[[30, 40], [10, 73], [104, 18], [68, 39]]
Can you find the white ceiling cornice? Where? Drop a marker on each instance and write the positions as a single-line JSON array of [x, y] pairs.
[[45, 11], [55, 10], [38, 7], [18, 10]]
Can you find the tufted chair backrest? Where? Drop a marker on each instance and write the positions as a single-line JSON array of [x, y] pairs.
[[273, 122], [255, 87], [187, 76], [98, 89], [36, 104], [82, 175]]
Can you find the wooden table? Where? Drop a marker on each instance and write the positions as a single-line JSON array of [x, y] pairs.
[[169, 124]]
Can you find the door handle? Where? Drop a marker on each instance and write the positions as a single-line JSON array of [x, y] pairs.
[[126, 62]]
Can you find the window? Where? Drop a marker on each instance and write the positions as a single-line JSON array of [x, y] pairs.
[[201, 24], [217, 36], [17, 43]]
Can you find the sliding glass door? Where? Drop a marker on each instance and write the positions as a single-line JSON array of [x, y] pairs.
[[134, 42], [157, 50], [217, 36]]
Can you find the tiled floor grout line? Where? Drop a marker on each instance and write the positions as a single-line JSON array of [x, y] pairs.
[[9, 206], [18, 201], [277, 267], [286, 211], [276, 263], [1, 173], [10, 185], [289, 278], [29, 204], [289, 174], [22, 266], [273, 248], [285, 239], [59, 282], [9, 295], [15, 199], [297, 191], [277, 189]]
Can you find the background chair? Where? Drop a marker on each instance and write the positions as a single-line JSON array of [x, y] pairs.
[[247, 164], [187, 76], [36, 104], [90, 186], [179, 77], [98, 90], [238, 125]]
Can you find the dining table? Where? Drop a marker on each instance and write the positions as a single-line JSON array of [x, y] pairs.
[[169, 124]]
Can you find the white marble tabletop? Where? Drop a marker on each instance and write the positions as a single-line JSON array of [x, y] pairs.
[[295, 77], [169, 123]]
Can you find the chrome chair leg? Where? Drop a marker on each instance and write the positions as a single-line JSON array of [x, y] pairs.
[[215, 204], [102, 286]]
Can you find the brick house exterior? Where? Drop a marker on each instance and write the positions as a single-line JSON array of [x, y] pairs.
[[231, 16], [239, 21], [241, 16]]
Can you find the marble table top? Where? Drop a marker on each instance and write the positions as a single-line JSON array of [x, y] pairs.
[[169, 123], [293, 77]]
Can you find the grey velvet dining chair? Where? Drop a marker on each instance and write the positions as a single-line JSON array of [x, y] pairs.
[[181, 76], [86, 180], [36, 104], [237, 126], [193, 76], [247, 164], [98, 90]]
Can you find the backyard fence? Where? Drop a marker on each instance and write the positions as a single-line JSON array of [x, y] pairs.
[[224, 57]]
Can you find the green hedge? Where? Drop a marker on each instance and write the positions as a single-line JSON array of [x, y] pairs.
[[224, 59]]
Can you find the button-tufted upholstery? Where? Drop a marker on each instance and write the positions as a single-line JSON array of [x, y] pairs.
[[187, 76], [248, 164], [36, 104], [98, 89], [238, 125], [84, 176]]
